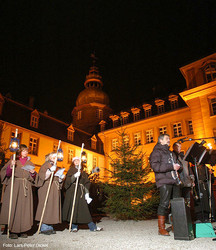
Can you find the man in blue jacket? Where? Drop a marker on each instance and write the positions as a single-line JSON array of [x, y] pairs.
[[163, 165]]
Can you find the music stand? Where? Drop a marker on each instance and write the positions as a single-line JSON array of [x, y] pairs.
[[198, 154]]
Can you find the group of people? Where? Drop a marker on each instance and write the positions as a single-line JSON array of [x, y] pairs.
[[176, 178], [25, 177]]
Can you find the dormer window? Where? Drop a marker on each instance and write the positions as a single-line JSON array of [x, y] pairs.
[[210, 71], [102, 125], [70, 133], [34, 119], [147, 109], [173, 101], [115, 120], [160, 105], [94, 142], [136, 114], [125, 117], [99, 114]]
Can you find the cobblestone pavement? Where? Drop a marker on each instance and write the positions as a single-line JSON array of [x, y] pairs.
[[116, 235]]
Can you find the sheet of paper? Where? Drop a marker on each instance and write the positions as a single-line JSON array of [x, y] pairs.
[[59, 172], [28, 167]]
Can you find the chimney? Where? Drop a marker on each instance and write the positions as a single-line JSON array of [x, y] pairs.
[[31, 102]]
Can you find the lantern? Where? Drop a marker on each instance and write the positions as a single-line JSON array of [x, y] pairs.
[[14, 145], [84, 157], [60, 155]]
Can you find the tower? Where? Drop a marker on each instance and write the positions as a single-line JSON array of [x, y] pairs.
[[92, 104]]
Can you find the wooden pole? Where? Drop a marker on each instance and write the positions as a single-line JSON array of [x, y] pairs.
[[11, 190], [48, 190], [75, 191]]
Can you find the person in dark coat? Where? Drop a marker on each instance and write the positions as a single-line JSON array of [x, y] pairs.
[[21, 219], [163, 165], [81, 213]]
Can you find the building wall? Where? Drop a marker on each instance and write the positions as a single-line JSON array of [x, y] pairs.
[[46, 144]]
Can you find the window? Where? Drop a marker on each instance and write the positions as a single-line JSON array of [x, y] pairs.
[[147, 108], [79, 115], [174, 104], [70, 135], [213, 106], [136, 116], [210, 71], [34, 121], [137, 138], [160, 108], [102, 125], [114, 144], [190, 127], [148, 113], [126, 140], [125, 119], [177, 129], [149, 136], [115, 123], [163, 130], [94, 162], [70, 155], [33, 145], [93, 144], [99, 113]]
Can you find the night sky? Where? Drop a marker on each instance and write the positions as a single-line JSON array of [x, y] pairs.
[[45, 48]]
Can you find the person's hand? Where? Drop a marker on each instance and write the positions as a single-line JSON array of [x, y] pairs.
[[87, 198], [53, 168], [77, 174], [32, 171], [61, 178], [13, 163], [176, 166]]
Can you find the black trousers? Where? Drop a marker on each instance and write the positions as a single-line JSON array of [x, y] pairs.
[[166, 192]]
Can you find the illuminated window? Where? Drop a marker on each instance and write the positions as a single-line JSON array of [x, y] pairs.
[[94, 162], [126, 140], [177, 129], [125, 117], [79, 115], [210, 71], [33, 145], [163, 130], [99, 113], [173, 101], [149, 136], [70, 155], [190, 127], [213, 106], [137, 138], [115, 120], [114, 144], [136, 114]]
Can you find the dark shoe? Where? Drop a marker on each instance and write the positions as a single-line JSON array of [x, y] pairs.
[[23, 236], [13, 236], [161, 226], [46, 232]]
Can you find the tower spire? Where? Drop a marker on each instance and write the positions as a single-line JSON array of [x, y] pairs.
[[93, 79]]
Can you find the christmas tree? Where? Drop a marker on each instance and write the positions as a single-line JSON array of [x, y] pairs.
[[130, 195]]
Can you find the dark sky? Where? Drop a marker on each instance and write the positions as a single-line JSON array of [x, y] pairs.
[[45, 48]]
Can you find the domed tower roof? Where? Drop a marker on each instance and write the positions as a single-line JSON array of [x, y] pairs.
[[93, 89]]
